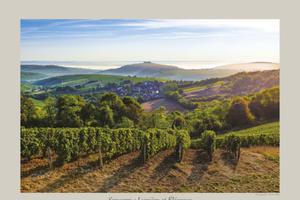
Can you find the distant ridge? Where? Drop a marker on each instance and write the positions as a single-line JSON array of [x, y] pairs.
[[252, 66], [149, 69], [55, 70], [141, 69]]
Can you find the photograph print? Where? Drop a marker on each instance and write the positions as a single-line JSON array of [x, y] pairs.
[[149, 105]]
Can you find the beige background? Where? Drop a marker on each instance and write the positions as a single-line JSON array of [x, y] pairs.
[[12, 11]]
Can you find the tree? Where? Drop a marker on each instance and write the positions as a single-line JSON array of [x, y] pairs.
[[50, 109], [125, 123], [115, 103], [133, 109], [29, 112], [239, 113], [265, 104], [88, 113], [105, 116], [68, 111], [157, 119]]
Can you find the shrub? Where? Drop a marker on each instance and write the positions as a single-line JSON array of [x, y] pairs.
[[63, 148], [156, 140], [265, 104], [30, 145], [232, 144], [183, 141], [208, 140], [239, 113]]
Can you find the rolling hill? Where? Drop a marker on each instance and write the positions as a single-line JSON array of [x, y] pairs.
[[149, 69], [31, 76], [87, 79], [55, 70], [254, 66], [243, 83]]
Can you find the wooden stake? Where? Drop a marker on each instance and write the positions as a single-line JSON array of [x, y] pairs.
[[49, 157], [100, 157], [144, 152]]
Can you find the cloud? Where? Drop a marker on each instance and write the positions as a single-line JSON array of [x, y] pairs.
[[263, 25]]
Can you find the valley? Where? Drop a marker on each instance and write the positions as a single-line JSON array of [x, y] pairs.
[[140, 122]]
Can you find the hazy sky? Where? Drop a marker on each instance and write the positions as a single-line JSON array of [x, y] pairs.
[[129, 40]]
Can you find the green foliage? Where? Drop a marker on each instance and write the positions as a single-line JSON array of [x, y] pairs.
[[206, 121], [265, 104], [157, 140], [63, 149], [170, 86], [46, 137], [259, 140], [183, 138], [68, 111], [71, 143], [232, 144], [30, 115], [266, 134], [179, 122], [133, 109], [156, 119], [115, 103], [239, 113], [81, 79], [208, 139], [50, 109], [183, 142], [30, 144], [88, 113], [125, 123], [84, 140], [105, 116], [176, 96]]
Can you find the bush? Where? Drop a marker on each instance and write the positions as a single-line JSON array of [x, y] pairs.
[[183, 141], [232, 144], [239, 113], [30, 145], [156, 140], [63, 148], [258, 140], [265, 104], [208, 142]]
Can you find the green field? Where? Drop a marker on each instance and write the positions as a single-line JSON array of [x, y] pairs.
[[269, 128], [95, 79], [26, 87], [29, 76], [201, 87]]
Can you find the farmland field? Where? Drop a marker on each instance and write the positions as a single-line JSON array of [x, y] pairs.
[[168, 104], [71, 80], [268, 128]]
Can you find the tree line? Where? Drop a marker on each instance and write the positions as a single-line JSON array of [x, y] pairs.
[[113, 111]]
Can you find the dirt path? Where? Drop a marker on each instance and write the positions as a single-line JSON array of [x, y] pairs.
[[257, 171]]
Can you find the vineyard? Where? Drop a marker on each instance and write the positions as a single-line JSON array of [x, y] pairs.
[[70, 144]]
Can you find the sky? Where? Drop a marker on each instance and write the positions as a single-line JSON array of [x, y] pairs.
[[92, 40]]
